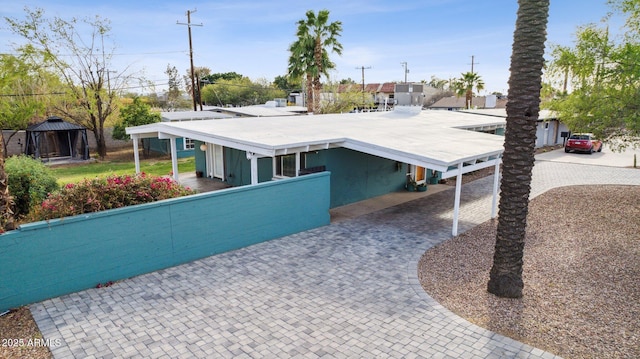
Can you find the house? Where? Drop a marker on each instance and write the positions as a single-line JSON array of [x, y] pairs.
[[454, 103], [549, 130], [368, 154], [385, 95]]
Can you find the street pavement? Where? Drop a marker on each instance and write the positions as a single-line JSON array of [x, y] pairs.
[[346, 290]]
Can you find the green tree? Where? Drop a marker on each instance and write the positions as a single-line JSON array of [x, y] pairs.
[[286, 83], [212, 78], [464, 86], [136, 114], [240, 92], [173, 93], [80, 59], [603, 80], [437, 83], [523, 106], [350, 98], [27, 92], [309, 57]]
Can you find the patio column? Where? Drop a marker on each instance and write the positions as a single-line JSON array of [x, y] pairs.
[[254, 167], [496, 181], [174, 157], [456, 203], [136, 156]]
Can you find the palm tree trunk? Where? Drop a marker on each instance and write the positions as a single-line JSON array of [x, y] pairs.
[[505, 277], [310, 96], [317, 87]]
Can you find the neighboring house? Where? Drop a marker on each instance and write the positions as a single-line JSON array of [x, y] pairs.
[[385, 95], [549, 130], [454, 103], [368, 154]]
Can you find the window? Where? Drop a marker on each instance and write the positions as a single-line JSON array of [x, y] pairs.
[[189, 143], [285, 165]]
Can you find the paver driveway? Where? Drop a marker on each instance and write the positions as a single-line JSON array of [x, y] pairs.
[[345, 290]]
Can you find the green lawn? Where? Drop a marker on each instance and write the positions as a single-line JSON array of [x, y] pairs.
[[76, 173]]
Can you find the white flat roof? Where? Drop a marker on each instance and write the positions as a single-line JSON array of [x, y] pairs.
[[432, 139], [191, 115]]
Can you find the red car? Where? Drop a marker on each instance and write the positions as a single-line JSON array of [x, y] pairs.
[[583, 142]]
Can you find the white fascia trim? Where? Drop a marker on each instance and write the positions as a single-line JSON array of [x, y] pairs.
[[470, 168], [394, 155]]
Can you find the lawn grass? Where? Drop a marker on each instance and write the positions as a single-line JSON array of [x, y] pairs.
[[101, 169]]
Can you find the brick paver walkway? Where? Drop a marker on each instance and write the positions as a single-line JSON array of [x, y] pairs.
[[342, 291]]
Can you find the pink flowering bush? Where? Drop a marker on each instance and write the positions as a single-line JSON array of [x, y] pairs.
[[106, 193]]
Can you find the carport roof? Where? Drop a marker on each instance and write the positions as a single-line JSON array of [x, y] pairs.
[[434, 139]]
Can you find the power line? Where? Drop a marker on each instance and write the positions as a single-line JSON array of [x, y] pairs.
[[32, 94]]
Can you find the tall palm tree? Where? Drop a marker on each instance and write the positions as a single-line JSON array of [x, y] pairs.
[[523, 106], [466, 84], [309, 56]]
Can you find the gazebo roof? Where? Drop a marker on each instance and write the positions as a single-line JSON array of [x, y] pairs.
[[54, 123]]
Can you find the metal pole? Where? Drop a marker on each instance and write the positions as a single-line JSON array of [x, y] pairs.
[[363, 68], [193, 85]]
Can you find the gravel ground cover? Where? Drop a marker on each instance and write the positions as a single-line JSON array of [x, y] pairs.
[[581, 267]]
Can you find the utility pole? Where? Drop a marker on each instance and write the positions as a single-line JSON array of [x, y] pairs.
[[406, 71], [193, 83], [363, 68], [472, 62]]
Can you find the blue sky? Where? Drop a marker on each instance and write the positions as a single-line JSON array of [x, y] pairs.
[[251, 37]]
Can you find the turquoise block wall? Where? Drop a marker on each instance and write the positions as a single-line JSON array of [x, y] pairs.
[[45, 260]]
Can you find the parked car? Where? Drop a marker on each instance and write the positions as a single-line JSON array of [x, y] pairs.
[[583, 142]]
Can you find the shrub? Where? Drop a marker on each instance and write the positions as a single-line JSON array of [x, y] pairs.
[[106, 193], [30, 182]]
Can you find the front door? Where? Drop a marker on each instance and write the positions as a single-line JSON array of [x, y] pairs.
[[215, 161]]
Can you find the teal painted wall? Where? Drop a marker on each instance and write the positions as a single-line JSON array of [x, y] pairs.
[[238, 168], [199, 156], [48, 259], [356, 176], [163, 146]]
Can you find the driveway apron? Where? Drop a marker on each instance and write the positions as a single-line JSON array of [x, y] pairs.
[[345, 290]]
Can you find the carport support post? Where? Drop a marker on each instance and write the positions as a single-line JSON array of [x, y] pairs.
[[136, 156], [254, 167], [496, 181], [456, 204], [174, 157]]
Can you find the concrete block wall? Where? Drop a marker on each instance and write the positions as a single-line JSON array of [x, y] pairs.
[[47, 259]]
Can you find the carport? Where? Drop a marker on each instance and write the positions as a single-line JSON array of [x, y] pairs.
[[443, 141]]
